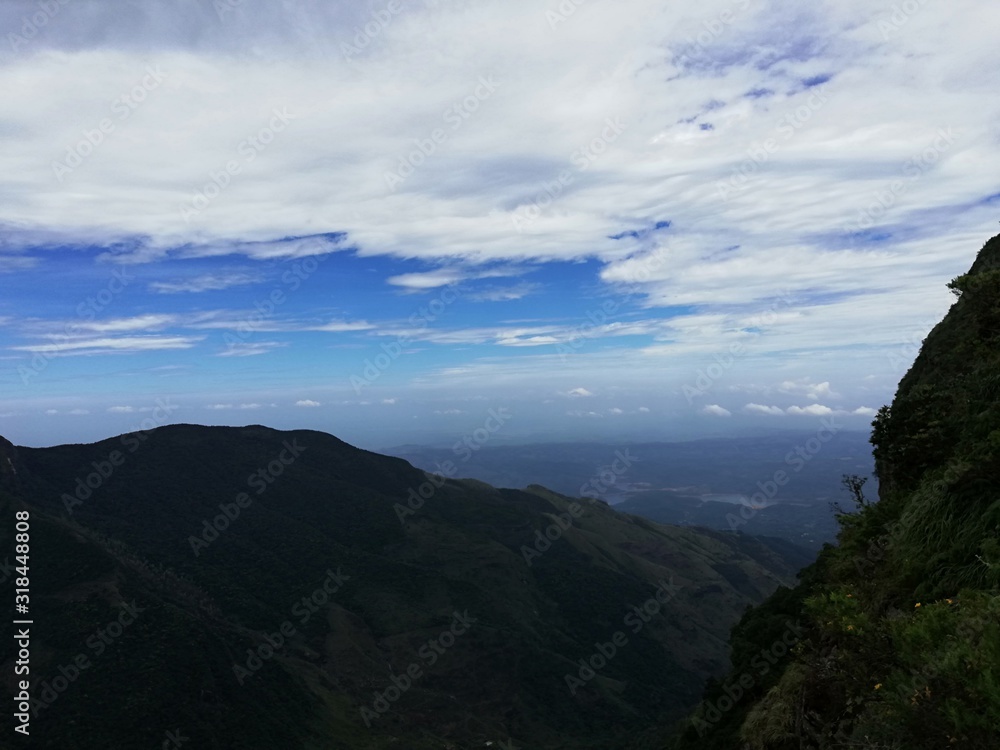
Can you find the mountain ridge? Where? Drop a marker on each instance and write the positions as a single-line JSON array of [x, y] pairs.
[[227, 540]]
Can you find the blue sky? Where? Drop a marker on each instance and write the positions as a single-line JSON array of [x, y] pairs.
[[382, 220]]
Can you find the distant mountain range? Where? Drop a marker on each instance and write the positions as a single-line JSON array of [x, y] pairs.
[[249, 588], [719, 483]]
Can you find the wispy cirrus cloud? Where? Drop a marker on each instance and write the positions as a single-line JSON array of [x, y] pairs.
[[124, 344], [250, 349], [206, 283], [77, 326], [504, 293]]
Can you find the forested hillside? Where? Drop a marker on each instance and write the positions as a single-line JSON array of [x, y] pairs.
[[262, 589], [897, 639]]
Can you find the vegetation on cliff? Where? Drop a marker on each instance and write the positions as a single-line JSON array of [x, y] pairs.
[[900, 622]]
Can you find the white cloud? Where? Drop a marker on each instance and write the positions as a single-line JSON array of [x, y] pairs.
[[219, 407], [865, 411], [10, 263], [813, 410], [503, 294], [772, 411], [76, 328], [342, 326], [716, 411], [809, 390], [122, 325], [250, 348], [79, 412], [421, 281], [578, 393], [688, 126], [308, 404], [389, 401], [531, 336], [106, 345], [121, 409], [615, 412], [206, 283]]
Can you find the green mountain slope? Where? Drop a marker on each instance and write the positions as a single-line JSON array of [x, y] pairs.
[[900, 643], [250, 588]]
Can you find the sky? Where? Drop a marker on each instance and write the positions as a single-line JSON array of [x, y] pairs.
[[405, 222]]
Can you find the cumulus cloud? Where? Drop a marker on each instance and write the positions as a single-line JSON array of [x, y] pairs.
[[809, 390], [716, 411], [772, 411], [308, 404], [865, 411], [813, 410], [422, 281], [578, 393]]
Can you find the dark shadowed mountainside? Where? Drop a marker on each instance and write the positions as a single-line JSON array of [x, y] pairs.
[[258, 589]]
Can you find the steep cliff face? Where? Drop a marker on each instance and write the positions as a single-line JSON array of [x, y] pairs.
[[900, 624], [952, 387], [937, 447]]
